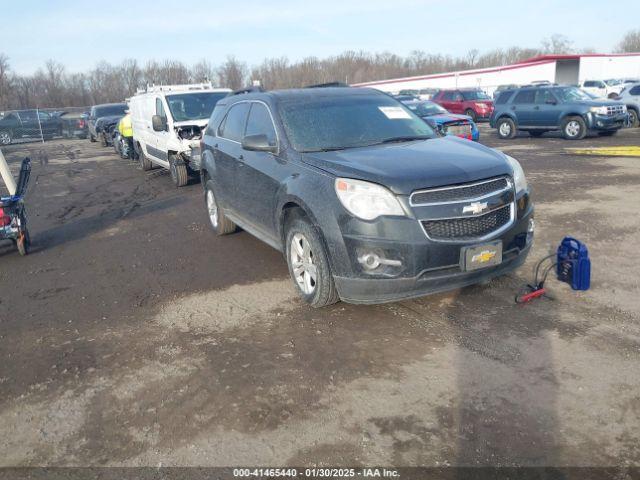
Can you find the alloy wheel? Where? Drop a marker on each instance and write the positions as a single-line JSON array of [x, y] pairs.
[[573, 128], [505, 129], [212, 208], [305, 272], [5, 138]]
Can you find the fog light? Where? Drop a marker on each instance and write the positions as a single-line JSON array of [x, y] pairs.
[[371, 261], [532, 226]]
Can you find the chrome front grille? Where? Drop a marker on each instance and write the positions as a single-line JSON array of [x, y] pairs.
[[460, 193], [613, 110], [468, 228], [466, 212]]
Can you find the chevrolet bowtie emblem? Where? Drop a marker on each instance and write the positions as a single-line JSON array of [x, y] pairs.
[[475, 208]]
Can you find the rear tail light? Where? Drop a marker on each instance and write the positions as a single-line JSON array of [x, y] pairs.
[[4, 219], [80, 123]]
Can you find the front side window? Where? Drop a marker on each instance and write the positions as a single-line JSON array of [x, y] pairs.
[[193, 106], [259, 123], [475, 95], [232, 127], [349, 121], [160, 108], [635, 90], [544, 96], [447, 96]]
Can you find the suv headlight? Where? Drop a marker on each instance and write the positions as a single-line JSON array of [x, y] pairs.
[[518, 174], [367, 200], [598, 110]]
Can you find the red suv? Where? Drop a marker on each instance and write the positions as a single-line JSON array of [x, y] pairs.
[[472, 102]]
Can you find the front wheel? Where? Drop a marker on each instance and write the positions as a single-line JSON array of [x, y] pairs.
[[309, 264], [506, 128], [633, 118], [574, 128], [179, 173]]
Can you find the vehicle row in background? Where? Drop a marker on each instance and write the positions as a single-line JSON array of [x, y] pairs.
[[440, 119], [545, 108], [471, 102]]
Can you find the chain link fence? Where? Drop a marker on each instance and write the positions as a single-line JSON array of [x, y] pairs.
[[39, 125]]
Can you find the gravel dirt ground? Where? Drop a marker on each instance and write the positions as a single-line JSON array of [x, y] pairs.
[[133, 336]]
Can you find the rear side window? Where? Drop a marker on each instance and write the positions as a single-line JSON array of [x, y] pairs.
[[503, 97], [524, 96], [260, 123], [232, 127], [447, 96], [635, 90]]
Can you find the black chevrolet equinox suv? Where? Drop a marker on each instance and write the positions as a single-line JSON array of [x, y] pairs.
[[367, 202]]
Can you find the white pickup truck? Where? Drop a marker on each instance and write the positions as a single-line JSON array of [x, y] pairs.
[[601, 88]]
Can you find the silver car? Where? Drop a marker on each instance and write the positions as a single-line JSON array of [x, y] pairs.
[[631, 97]]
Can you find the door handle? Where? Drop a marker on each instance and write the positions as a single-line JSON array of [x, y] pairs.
[[241, 158], [513, 107], [536, 108]]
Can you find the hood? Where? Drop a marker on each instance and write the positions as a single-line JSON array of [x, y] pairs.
[[200, 123], [441, 118], [599, 103], [108, 119], [404, 167]]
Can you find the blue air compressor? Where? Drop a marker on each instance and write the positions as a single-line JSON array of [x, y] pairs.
[[571, 263]]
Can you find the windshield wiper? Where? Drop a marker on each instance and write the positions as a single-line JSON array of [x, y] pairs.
[[407, 138], [324, 149]]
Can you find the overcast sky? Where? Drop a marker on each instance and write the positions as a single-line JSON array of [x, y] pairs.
[[81, 33]]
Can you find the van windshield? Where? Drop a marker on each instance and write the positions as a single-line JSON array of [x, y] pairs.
[[349, 121], [193, 106]]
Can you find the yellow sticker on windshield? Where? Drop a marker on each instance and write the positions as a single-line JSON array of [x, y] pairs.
[[395, 113]]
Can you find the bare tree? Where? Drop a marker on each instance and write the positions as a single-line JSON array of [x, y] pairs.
[[558, 44], [203, 71], [232, 73], [5, 81], [630, 42]]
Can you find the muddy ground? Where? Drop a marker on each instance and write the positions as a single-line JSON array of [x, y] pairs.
[[133, 336]]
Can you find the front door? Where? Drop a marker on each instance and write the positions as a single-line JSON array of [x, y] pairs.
[[259, 172], [547, 109], [157, 148], [523, 108]]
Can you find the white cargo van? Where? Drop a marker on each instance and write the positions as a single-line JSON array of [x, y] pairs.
[[168, 121]]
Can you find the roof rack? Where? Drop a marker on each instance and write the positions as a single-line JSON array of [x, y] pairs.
[[252, 89], [176, 88], [328, 85]]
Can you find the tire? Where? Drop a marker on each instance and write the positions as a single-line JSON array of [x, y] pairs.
[[145, 163], [92, 139], [23, 243], [306, 257], [634, 122], [506, 128], [537, 133], [574, 128], [612, 96], [217, 219], [5, 137], [471, 113], [179, 173], [608, 133]]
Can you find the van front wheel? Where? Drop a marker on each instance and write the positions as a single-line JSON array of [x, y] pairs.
[[178, 170]]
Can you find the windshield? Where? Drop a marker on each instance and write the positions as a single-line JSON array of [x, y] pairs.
[[571, 94], [111, 110], [424, 109], [193, 106], [348, 121], [475, 95], [612, 83]]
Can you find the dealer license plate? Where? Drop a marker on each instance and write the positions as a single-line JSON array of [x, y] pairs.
[[481, 256]]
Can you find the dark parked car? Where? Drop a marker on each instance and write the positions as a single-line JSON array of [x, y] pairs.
[[540, 109], [105, 114], [74, 125], [473, 103], [27, 124], [365, 200], [444, 122]]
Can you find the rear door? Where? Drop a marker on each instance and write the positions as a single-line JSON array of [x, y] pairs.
[[228, 153], [446, 99], [522, 107], [259, 172]]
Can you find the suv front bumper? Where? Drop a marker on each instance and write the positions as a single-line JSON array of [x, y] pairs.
[[426, 267], [605, 122]]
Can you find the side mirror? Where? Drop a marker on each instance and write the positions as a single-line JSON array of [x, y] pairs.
[[159, 123], [258, 143]]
